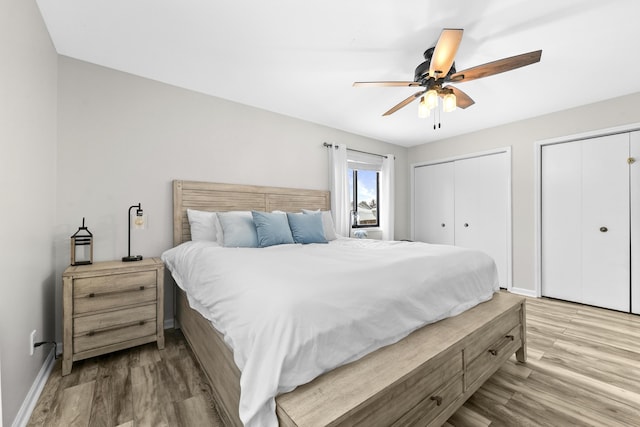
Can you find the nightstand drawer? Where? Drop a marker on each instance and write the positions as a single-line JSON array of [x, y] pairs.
[[105, 292], [84, 325], [117, 334]]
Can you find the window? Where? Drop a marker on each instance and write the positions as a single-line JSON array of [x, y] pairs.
[[364, 192]]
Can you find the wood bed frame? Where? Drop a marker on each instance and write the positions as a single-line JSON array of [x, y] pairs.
[[421, 380]]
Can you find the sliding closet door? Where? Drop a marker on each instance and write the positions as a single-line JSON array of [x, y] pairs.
[[605, 222], [634, 174], [433, 206], [482, 208], [561, 221]]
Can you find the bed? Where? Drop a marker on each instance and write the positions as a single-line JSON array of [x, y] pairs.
[[419, 380]]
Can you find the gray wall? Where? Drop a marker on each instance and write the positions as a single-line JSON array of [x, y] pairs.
[[521, 136], [27, 178], [123, 139]]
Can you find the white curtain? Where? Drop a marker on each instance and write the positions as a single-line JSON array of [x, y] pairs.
[[339, 185], [387, 199]]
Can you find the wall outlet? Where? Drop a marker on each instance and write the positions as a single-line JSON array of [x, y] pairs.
[[32, 341]]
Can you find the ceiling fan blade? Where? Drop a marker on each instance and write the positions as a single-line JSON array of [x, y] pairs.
[[462, 99], [405, 102], [445, 52], [380, 84], [497, 67]]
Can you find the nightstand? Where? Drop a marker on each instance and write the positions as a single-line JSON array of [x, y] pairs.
[[110, 306]]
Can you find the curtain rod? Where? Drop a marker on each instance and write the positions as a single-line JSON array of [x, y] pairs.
[[326, 144]]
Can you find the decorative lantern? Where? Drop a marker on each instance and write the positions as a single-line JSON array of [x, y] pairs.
[[82, 246]]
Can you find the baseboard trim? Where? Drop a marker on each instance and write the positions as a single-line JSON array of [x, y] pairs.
[[525, 292], [169, 323], [29, 404]]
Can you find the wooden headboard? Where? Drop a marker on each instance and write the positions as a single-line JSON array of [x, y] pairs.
[[215, 197]]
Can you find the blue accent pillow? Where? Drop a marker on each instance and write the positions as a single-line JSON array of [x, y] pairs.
[[272, 228], [306, 228], [238, 230]]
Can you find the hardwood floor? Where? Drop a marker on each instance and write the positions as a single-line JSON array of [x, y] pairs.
[[583, 370], [142, 386]]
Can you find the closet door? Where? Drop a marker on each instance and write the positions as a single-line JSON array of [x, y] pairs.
[[605, 222], [634, 175], [585, 221], [433, 208], [482, 209], [561, 221]]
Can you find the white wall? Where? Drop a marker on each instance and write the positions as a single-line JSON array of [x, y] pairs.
[[521, 136], [27, 178], [123, 139]]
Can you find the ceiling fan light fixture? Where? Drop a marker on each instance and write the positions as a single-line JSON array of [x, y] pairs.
[[423, 109], [449, 103], [431, 99]]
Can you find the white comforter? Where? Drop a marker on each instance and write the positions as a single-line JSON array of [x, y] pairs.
[[292, 312]]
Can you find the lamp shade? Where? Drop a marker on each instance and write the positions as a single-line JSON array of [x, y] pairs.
[[431, 99], [423, 110], [449, 103]]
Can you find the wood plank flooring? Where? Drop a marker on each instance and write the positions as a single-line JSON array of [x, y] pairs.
[[142, 386], [583, 370]]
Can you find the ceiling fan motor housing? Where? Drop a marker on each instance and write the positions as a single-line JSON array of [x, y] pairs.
[[421, 74]]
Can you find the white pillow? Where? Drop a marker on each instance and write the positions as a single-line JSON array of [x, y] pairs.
[[204, 225], [327, 223]]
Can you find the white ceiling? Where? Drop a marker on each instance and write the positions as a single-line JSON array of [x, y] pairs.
[[300, 58]]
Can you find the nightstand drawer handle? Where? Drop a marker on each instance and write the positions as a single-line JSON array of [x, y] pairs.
[[95, 295], [115, 328], [438, 400], [510, 337]]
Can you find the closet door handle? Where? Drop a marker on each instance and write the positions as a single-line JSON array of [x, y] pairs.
[[466, 224], [604, 229], [443, 225]]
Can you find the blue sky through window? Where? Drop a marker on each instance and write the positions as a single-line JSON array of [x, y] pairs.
[[367, 195]]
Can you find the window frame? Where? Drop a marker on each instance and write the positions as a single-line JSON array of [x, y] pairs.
[[354, 205]]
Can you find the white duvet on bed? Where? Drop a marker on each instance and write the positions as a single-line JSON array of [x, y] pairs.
[[292, 312]]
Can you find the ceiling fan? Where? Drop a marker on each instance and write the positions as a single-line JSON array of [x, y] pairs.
[[439, 69]]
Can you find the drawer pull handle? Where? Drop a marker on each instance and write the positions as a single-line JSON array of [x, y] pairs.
[[92, 295], [438, 400], [510, 337], [141, 322], [493, 352], [142, 288], [91, 333]]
